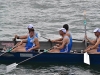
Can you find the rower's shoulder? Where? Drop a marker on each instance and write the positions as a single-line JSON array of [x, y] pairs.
[[66, 37], [36, 38], [68, 34], [99, 38], [26, 35]]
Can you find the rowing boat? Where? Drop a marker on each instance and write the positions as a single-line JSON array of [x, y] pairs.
[[75, 57]]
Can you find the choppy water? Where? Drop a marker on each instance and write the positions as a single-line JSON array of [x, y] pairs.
[[43, 69], [48, 16]]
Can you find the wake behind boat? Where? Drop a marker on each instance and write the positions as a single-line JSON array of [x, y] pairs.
[[76, 55]]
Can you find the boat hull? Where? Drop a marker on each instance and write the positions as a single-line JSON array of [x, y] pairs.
[[64, 58]]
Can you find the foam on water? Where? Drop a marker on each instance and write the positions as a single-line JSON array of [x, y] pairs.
[[51, 70]]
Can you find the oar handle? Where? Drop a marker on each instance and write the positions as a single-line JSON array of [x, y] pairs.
[[48, 40], [11, 49], [45, 38], [14, 40], [48, 49]]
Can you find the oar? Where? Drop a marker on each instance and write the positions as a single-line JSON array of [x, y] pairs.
[[44, 37], [14, 41], [86, 56], [10, 48], [10, 67], [85, 27], [47, 39], [78, 40], [73, 39]]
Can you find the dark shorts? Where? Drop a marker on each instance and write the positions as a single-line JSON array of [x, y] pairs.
[[27, 48], [63, 50]]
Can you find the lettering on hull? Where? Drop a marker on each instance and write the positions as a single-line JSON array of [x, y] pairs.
[[25, 55]]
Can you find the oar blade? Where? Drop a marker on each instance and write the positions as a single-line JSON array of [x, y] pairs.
[[10, 67], [86, 58]]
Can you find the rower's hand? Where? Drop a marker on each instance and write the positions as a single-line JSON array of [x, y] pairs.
[[15, 37], [29, 50], [87, 50], [55, 47], [86, 37], [51, 40], [20, 43]]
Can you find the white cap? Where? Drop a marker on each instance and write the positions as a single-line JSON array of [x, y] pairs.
[[96, 30], [63, 30], [30, 26]]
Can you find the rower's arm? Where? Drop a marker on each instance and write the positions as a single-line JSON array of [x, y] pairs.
[[92, 41], [96, 45], [37, 45], [60, 42], [68, 34], [60, 39], [23, 41], [21, 37], [57, 40], [64, 42]]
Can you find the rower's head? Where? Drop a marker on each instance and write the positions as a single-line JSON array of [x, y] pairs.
[[31, 32], [66, 26], [62, 31], [30, 26], [97, 32]]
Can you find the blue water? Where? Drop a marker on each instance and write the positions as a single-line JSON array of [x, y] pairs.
[[48, 16]]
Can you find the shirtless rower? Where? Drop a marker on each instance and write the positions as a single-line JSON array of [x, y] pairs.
[[63, 47], [32, 43], [95, 47]]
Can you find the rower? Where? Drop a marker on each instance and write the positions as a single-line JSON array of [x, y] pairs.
[[63, 47], [30, 26], [68, 33], [32, 43], [95, 47], [59, 40]]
